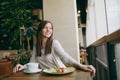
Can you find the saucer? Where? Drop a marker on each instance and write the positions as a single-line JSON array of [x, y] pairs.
[[34, 71]]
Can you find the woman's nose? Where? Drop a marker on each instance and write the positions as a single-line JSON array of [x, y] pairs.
[[47, 29]]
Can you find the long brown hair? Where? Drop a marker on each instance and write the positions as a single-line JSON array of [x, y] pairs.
[[39, 39]]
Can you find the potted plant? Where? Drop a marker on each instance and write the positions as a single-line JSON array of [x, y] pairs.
[[22, 57], [14, 14]]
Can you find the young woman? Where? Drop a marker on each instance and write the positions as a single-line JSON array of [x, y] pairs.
[[48, 52]]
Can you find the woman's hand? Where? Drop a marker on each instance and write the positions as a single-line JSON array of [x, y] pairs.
[[90, 68], [18, 67]]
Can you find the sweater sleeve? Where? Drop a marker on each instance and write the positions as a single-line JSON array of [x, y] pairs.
[[58, 49]]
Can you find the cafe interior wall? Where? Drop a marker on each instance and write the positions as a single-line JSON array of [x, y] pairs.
[[64, 17]]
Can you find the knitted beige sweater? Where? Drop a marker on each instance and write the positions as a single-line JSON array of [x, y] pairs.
[[58, 57]]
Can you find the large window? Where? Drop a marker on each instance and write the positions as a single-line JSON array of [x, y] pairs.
[[113, 15]]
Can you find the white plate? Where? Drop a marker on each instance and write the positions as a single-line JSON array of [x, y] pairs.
[[66, 71], [35, 71]]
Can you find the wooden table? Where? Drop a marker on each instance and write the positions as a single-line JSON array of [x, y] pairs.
[[77, 75]]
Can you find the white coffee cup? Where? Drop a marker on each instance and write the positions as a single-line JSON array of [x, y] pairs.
[[32, 67]]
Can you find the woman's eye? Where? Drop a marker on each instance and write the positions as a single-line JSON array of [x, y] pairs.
[[50, 28]]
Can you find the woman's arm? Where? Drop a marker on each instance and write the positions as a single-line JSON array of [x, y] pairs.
[[88, 68], [65, 57], [69, 60], [18, 68]]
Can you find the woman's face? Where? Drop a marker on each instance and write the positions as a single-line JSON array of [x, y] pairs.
[[47, 30]]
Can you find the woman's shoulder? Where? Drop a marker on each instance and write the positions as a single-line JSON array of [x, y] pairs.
[[55, 42]]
